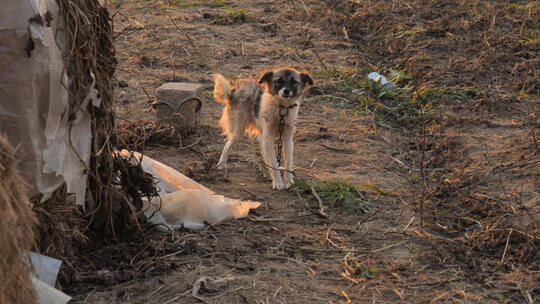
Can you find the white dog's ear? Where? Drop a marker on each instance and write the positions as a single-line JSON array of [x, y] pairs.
[[266, 77], [306, 78]]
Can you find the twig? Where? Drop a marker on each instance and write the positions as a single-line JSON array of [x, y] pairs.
[[172, 300], [389, 246], [190, 145], [200, 298], [139, 253], [185, 34], [306, 7], [293, 4], [258, 219], [320, 59], [506, 246], [321, 207], [252, 164], [534, 138], [307, 205], [421, 153], [345, 33], [370, 216], [145, 92], [518, 216], [346, 296], [328, 239], [347, 151]]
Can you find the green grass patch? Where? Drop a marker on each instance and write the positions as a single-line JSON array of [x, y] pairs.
[[533, 40], [433, 93], [524, 8], [230, 16], [409, 33], [217, 3], [392, 104], [335, 193], [376, 188], [396, 103]]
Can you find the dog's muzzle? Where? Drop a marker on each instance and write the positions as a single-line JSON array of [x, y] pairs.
[[286, 93]]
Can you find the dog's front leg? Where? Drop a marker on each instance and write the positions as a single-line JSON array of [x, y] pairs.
[[288, 147], [267, 148]]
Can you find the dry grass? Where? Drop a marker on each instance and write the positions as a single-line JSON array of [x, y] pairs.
[[144, 134], [16, 231], [472, 160]]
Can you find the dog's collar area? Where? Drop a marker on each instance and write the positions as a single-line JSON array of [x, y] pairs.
[[289, 107], [286, 108]]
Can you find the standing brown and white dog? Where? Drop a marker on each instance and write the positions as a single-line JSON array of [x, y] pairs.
[[255, 110]]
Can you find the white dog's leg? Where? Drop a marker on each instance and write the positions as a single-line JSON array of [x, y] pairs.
[[288, 147], [267, 149]]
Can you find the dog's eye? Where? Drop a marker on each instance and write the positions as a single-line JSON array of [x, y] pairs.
[[294, 83], [279, 82]]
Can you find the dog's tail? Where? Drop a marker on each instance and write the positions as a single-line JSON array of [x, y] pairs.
[[222, 89]]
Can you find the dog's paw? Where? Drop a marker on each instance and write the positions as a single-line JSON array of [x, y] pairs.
[[289, 180], [222, 166], [278, 185]]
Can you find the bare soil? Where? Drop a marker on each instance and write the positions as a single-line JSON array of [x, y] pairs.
[[479, 240]]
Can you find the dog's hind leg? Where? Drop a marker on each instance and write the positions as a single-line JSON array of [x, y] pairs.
[[225, 154], [234, 131]]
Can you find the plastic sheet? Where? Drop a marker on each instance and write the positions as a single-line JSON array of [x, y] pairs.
[[34, 102], [44, 278], [45, 268], [185, 203], [47, 294], [169, 179], [193, 209]]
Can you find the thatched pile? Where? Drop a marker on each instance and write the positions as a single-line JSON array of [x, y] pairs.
[[16, 233], [115, 186]]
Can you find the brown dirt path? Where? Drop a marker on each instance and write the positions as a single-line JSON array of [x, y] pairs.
[[283, 253]]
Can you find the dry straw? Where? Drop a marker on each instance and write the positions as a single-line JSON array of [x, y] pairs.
[[115, 186], [16, 233]]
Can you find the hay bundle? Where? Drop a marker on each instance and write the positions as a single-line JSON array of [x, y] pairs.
[[114, 185], [90, 56], [16, 233]]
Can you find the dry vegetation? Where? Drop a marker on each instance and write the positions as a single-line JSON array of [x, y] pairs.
[[16, 231], [445, 166]]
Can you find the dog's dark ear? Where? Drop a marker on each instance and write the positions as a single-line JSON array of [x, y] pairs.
[[306, 78], [266, 77]]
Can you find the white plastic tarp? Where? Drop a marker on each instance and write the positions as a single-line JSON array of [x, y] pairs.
[[34, 105], [185, 203]]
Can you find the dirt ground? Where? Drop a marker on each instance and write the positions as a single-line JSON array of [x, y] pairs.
[[473, 164]]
